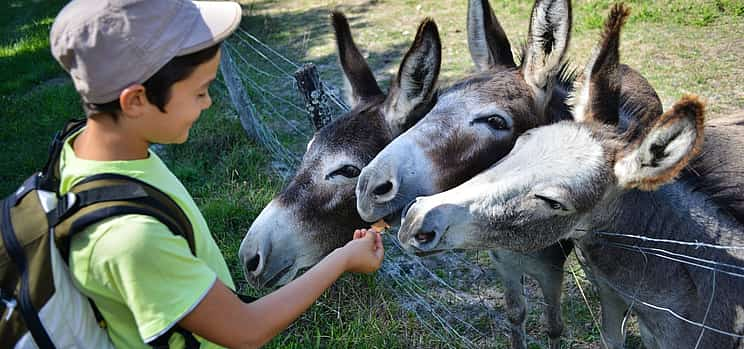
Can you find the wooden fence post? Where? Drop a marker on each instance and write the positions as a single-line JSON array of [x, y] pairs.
[[316, 100]]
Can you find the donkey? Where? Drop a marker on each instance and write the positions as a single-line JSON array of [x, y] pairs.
[[316, 212], [473, 124], [650, 243]]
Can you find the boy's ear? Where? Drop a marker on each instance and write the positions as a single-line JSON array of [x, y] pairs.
[[665, 149], [133, 100], [412, 93]]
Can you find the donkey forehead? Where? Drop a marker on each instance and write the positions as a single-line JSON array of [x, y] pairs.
[[566, 153], [504, 89], [362, 132]]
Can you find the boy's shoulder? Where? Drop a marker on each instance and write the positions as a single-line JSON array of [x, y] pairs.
[[133, 236]]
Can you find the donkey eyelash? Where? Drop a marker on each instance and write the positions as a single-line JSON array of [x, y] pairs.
[[495, 121], [552, 203], [348, 171]]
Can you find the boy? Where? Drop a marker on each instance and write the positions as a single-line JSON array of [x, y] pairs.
[[143, 69]]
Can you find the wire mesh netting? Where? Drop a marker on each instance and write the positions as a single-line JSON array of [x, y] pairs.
[[455, 296]]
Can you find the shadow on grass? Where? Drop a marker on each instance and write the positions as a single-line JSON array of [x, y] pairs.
[[24, 44], [33, 107], [296, 33]]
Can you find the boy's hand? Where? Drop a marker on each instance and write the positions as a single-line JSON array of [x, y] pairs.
[[364, 254]]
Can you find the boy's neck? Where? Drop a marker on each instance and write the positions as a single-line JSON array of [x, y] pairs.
[[107, 139]]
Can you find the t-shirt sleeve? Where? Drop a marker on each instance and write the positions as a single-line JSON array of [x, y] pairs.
[[153, 270]]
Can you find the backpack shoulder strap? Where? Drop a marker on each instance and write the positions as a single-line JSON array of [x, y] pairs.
[[50, 171], [106, 195]]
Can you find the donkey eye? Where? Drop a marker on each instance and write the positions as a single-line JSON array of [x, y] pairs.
[[555, 205], [348, 171], [497, 122]]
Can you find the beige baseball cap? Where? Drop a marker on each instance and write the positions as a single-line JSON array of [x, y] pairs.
[[108, 45]]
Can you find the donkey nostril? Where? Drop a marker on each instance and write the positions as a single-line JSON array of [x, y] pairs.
[[424, 237], [252, 264], [383, 188]]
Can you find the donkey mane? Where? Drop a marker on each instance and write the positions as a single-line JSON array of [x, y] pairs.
[[718, 172], [564, 87]]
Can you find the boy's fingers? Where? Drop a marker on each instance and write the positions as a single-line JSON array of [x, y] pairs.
[[380, 252], [371, 234], [357, 234]]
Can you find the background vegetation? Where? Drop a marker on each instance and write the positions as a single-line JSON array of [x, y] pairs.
[[679, 45]]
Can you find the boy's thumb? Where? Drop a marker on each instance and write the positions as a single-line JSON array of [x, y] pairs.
[[371, 234]]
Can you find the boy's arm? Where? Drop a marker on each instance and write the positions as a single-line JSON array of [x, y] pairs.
[[224, 319]]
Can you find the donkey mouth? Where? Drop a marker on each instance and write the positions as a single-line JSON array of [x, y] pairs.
[[274, 280], [428, 253], [393, 219]]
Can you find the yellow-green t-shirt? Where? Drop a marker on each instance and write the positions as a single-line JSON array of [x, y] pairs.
[[142, 277]]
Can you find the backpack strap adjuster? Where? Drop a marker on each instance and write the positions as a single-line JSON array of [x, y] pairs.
[[66, 205], [67, 202]]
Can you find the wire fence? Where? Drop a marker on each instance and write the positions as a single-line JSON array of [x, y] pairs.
[[275, 118], [454, 296]]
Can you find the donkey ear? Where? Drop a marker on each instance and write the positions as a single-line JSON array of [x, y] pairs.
[[489, 46], [412, 92], [360, 82], [547, 41], [667, 147], [598, 96]]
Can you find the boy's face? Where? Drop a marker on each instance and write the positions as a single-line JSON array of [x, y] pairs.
[[188, 98]]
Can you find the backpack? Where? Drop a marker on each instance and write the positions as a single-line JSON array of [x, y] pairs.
[[40, 306]]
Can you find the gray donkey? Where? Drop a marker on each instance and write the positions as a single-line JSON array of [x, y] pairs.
[[316, 212], [474, 124], [669, 250]]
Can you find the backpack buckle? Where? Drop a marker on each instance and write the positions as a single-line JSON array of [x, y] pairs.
[[66, 205]]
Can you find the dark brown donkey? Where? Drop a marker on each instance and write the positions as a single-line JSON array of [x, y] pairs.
[[316, 212], [474, 124], [659, 231]]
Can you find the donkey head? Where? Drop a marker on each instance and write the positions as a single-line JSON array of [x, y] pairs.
[[316, 212], [475, 121], [557, 174]]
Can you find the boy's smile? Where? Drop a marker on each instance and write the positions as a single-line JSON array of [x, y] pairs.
[[188, 98], [141, 123]]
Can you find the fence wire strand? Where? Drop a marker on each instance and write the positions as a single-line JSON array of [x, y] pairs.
[[432, 310]]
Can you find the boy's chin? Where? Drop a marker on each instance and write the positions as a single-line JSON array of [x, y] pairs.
[[180, 140]]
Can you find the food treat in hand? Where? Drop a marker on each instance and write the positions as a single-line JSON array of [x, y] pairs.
[[380, 226]]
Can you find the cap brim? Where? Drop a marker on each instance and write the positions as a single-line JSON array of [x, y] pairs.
[[218, 20]]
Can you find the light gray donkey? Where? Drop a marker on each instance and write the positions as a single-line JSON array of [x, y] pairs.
[[474, 124], [316, 212], [671, 251]]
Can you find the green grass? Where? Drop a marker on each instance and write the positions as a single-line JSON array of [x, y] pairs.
[[591, 14], [25, 55], [33, 107]]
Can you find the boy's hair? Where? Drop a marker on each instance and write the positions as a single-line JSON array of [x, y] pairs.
[[158, 86]]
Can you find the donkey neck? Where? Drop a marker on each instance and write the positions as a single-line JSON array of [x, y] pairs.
[[666, 267], [675, 212]]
